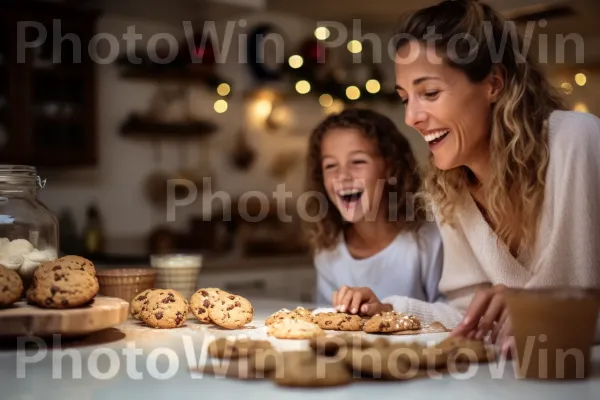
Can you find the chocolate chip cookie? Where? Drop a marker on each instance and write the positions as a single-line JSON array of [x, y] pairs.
[[74, 263], [201, 301], [463, 350], [339, 321], [390, 321], [11, 287], [138, 301], [164, 309], [306, 369], [298, 313], [231, 311], [228, 348], [62, 288], [294, 329]]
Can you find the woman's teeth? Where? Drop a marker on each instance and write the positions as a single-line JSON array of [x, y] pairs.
[[436, 136]]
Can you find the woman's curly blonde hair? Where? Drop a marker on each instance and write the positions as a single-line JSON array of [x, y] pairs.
[[404, 181], [514, 191]]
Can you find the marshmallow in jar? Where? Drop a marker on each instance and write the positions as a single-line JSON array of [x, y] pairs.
[[21, 256]]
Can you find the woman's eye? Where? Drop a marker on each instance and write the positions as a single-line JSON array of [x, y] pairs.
[[404, 101], [358, 162], [431, 94], [328, 166]]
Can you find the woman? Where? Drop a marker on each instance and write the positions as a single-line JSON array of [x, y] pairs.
[[515, 179]]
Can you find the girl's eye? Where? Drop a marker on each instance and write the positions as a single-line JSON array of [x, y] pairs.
[[358, 162], [404, 101], [328, 166], [431, 95]]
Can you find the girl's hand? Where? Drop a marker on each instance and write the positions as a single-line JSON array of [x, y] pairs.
[[351, 300], [487, 314]]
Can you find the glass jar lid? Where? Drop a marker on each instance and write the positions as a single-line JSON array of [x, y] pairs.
[[20, 175]]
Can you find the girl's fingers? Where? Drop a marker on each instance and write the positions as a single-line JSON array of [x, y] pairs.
[[357, 299], [346, 301], [340, 296]]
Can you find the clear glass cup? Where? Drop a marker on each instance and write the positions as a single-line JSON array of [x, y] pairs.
[[29, 231], [178, 272]]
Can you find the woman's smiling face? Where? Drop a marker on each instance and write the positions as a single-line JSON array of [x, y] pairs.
[[444, 106]]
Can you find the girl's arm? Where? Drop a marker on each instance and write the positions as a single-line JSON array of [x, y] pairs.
[[432, 260], [325, 284]]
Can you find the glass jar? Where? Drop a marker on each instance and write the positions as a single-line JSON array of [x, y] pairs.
[[28, 229]]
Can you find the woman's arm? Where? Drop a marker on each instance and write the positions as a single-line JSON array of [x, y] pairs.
[[426, 312]]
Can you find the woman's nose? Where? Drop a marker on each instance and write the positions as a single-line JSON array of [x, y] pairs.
[[414, 115]]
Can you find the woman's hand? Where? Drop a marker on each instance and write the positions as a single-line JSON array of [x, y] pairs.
[[487, 314], [354, 299]]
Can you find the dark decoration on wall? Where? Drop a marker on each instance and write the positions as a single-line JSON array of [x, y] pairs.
[[144, 127], [258, 54], [195, 63], [243, 155]]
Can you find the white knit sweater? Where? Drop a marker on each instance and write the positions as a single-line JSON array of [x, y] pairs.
[[568, 242]]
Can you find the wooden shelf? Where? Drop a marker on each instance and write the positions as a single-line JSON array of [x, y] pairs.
[[199, 76], [140, 127]]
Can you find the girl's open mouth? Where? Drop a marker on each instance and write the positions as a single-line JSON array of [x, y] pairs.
[[350, 197]]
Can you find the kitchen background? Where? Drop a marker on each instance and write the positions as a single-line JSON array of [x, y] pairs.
[[107, 134]]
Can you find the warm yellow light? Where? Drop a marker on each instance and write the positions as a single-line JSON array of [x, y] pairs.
[[580, 79], [325, 100], [337, 106], [223, 89], [354, 46], [302, 87], [296, 61], [352, 92], [262, 108], [567, 87], [322, 33], [581, 107], [221, 106], [373, 86]]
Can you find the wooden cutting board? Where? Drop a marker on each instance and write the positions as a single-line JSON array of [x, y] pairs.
[[23, 319]]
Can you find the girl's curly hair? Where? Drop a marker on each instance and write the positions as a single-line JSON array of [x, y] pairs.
[[405, 209]]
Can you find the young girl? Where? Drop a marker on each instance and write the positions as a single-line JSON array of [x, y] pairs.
[[373, 233]]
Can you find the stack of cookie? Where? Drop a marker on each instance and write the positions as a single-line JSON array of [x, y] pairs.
[[11, 287], [336, 360], [67, 282]]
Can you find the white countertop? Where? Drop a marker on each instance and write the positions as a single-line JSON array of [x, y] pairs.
[[50, 378]]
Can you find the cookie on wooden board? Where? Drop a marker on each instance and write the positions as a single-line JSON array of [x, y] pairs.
[[339, 321], [11, 287], [391, 321], [62, 288], [201, 301], [164, 309], [231, 311], [73, 263]]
